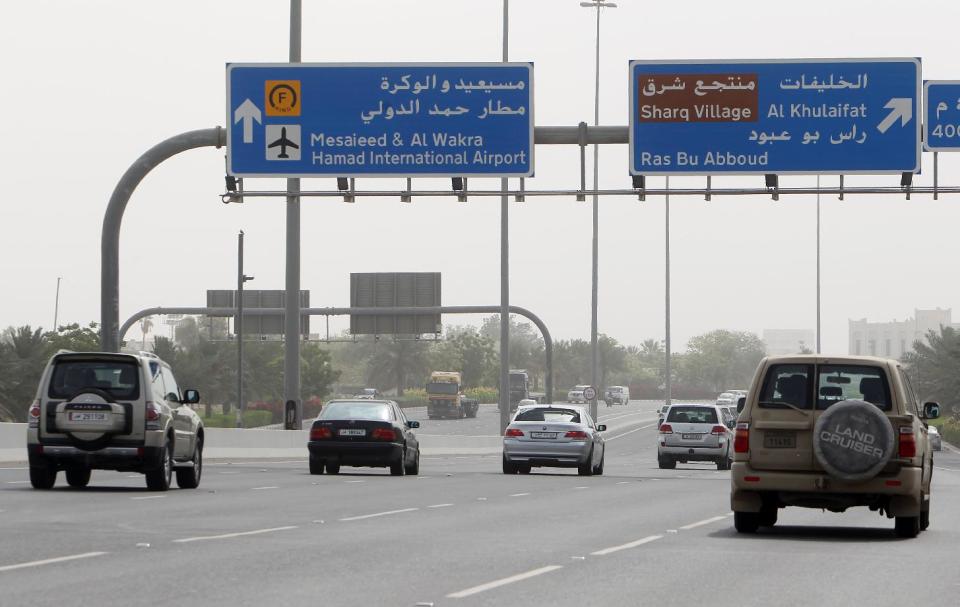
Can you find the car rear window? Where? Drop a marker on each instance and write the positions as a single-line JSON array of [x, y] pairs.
[[843, 382], [785, 386], [343, 410], [540, 414], [692, 415], [117, 378]]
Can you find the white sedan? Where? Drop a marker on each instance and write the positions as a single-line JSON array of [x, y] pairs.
[[557, 436]]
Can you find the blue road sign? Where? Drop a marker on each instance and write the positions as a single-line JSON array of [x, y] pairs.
[[805, 116], [386, 120], [941, 110]]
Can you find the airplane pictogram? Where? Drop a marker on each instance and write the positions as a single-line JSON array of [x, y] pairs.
[[284, 143]]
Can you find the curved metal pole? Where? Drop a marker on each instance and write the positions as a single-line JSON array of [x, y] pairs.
[[110, 236], [408, 311]]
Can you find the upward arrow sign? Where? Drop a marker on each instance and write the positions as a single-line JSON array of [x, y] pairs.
[[248, 112], [900, 107]]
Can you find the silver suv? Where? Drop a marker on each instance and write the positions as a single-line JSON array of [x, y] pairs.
[[113, 411]]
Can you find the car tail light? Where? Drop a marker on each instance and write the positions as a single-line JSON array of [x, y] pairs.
[[513, 432], [741, 440], [908, 444], [152, 415], [719, 430], [578, 434], [320, 433], [666, 429], [383, 434], [34, 420]]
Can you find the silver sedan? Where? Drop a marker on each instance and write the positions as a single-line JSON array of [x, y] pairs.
[[557, 436]]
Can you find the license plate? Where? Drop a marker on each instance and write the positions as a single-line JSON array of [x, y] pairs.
[[543, 435], [780, 440], [352, 432], [87, 417], [691, 436]]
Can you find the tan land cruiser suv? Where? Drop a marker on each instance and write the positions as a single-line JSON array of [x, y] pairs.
[[832, 433], [113, 412]]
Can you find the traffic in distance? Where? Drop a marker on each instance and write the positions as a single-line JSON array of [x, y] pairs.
[[812, 431]]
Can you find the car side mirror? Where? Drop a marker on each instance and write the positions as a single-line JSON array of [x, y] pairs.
[[601, 427], [413, 424], [741, 403], [931, 410], [191, 397], [731, 423]]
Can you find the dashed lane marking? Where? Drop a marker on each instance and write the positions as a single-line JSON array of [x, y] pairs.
[[703, 522], [627, 546], [518, 494], [503, 582], [262, 488], [149, 497], [225, 536], [59, 559], [376, 514], [440, 506]]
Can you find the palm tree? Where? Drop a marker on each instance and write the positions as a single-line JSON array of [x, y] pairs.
[[146, 326]]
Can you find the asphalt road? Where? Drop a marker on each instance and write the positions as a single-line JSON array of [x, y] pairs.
[[462, 533]]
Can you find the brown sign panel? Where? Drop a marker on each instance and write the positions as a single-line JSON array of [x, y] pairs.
[[697, 97]]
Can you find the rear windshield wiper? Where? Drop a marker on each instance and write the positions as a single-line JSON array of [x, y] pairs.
[[783, 402]]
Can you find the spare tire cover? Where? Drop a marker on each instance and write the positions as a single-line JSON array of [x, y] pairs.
[[853, 440], [90, 441]]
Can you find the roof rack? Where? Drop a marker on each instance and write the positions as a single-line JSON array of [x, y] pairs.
[[146, 354]]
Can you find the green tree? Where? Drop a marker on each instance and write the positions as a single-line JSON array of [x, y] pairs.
[[25, 352], [721, 359], [74, 337], [526, 347], [934, 367], [397, 362]]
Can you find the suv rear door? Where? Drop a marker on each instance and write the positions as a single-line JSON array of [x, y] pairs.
[[781, 424]]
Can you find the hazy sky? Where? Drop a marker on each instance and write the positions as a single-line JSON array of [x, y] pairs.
[[91, 85]]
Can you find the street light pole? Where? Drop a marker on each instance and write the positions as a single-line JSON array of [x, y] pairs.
[[505, 268], [668, 353], [595, 370], [56, 305], [818, 264], [241, 278]]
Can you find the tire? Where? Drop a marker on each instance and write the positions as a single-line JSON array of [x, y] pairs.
[[160, 478], [925, 516], [907, 526], [397, 467], [524, 468], [333, 467], [414, 468], [78, 476], [746, 522], [316, 466], [839, 450], [189, 478], [598, 471], [43, 476], [666, 463], [768, 517], [509, 467], [587, 468]]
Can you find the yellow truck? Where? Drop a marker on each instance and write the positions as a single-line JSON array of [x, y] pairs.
[[445, 397]]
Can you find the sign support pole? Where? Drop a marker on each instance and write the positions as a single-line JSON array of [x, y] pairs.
[[291, 354], [668, 353], [505, 269]]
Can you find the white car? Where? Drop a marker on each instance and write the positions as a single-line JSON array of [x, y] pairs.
[[694, 433], [557, 436], [575, 395], [936, 441]]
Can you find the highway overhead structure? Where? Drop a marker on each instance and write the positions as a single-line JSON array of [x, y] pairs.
[[422, 119], [774, 116]]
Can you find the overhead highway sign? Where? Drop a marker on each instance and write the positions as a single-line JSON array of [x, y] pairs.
[[941, 111]]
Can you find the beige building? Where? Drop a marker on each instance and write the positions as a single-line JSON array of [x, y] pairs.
[[788, 341], [895, 338]]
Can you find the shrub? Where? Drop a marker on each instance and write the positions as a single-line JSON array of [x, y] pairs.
[[484, 394], [950, 431], [251, 419]]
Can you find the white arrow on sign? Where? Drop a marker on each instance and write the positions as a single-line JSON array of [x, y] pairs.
[[900, 107], [248, 112]]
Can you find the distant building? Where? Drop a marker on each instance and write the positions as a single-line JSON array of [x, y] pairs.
[[788, 341], [895, 338]]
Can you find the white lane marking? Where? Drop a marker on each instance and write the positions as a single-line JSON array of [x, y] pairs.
[[703, 522], [355, 481], [59, 559], [133, 476], [947, 469], [149, 497], [256, 463], [503, 582], [261, 488], [224, 536], [24, 468], [626, 433], [518, 494], [17, 482], [624, 483], [376, 514], [440, 506], [634, 544], [231, 472]]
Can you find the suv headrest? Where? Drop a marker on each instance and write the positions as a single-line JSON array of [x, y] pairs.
[[872, 390]]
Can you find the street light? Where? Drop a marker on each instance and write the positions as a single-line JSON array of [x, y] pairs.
[[598, 4]]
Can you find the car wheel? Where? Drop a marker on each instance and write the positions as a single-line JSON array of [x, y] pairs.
[[78, 476], [586, 469], [333, 467], [907, 526], [925, 516], [43, 476], [509, 467], [524, 468], [316, 466], [666, 463], [397, 468], [768, 516], [189, 478], [160, 478], [599, 469], [746, 522], [414, 468]]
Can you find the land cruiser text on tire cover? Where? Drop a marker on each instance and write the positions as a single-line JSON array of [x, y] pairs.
[[853, 440]]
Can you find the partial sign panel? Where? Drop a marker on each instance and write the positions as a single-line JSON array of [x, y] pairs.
[[941, 107], [394, 290], [400, 120], [807, 116]]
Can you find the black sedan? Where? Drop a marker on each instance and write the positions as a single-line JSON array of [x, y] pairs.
[[357, 432]]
